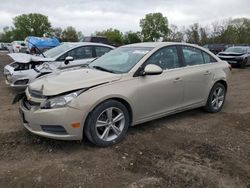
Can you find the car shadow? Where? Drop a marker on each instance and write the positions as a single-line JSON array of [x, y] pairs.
[[59, 145]]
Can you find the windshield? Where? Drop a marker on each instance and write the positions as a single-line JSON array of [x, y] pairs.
[[58, 50], [237, 50], [120, 60]]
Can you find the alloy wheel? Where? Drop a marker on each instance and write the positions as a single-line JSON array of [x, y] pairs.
[[218, 98], [110, 124]]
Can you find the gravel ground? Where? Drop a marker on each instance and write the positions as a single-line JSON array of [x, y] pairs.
[[190, 149]]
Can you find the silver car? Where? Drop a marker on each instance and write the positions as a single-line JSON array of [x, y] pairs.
[[130, 85], [27, 68]]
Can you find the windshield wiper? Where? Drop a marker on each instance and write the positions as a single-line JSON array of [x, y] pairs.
[[37, 48], [103, 69]]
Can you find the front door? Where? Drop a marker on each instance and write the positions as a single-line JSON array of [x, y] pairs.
[[159, 94]]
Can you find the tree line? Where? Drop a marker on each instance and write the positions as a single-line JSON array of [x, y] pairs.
[[154, 27]]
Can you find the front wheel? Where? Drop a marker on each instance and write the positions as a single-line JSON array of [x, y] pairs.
[[216, 98], [243, 64], [107, 124]]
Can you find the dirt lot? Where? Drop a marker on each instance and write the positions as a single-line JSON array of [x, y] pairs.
[[191, 149]]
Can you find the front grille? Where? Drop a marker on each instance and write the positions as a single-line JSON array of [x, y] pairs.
[[54, 129], [227, 59]]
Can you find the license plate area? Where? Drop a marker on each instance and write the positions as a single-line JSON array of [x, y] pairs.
[[232, 62]]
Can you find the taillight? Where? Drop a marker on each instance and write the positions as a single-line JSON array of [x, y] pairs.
[[17, 46]]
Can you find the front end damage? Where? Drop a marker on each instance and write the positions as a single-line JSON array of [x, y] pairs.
[[25, 69]]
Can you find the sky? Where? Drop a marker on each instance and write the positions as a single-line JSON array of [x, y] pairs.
[[89, 16]]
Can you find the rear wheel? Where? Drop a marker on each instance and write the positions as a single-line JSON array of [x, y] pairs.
[[216, 98], [107, 124]]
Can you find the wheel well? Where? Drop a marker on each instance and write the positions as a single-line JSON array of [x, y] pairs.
[[223, 82], [127, 105]]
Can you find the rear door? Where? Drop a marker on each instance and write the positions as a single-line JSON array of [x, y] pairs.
[[197, 75]]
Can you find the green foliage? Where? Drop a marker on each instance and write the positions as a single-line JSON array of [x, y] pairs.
[[7, 35], [131, 37], [114, 36], [154, 27], [69, 35], [80, 36], [57, 32], [237, 31], [32, 24]]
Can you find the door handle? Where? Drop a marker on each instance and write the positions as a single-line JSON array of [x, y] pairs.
[[207, 73], [177, 80]]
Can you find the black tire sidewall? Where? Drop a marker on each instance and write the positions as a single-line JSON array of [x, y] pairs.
[[243, 64], [90, 131], [209, 106]]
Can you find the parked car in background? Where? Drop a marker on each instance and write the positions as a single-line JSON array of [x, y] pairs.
[[96, 39], [6, 45], [215, 48], [26, 67], [236, 55], [128, 86], [2, 46], [18, 47]]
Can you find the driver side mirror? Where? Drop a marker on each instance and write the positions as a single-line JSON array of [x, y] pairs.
[[152, 69], [68, 59]]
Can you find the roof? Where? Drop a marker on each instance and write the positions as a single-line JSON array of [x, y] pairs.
[[153, 44], [75, 44]]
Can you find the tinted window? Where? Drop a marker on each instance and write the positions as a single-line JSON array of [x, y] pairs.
[[237, 49], [208, 58], [192, 56], [166, 58], [100, 50], [81, 52]]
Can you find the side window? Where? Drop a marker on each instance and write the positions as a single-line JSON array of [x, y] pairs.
[[62, 57], [81, 52], [208, 58], [166, 58], [100, 50], [192, 56]]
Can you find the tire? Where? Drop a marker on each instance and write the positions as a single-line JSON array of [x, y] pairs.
[[243, 64], [216, 100], [113, 118]]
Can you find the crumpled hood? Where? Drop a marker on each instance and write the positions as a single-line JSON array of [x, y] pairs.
[[64, 81], [26, 58], [230, 54]]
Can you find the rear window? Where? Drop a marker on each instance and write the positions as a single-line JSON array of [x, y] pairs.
[[195, 56]]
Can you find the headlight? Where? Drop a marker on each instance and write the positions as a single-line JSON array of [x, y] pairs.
[[61, 101]]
